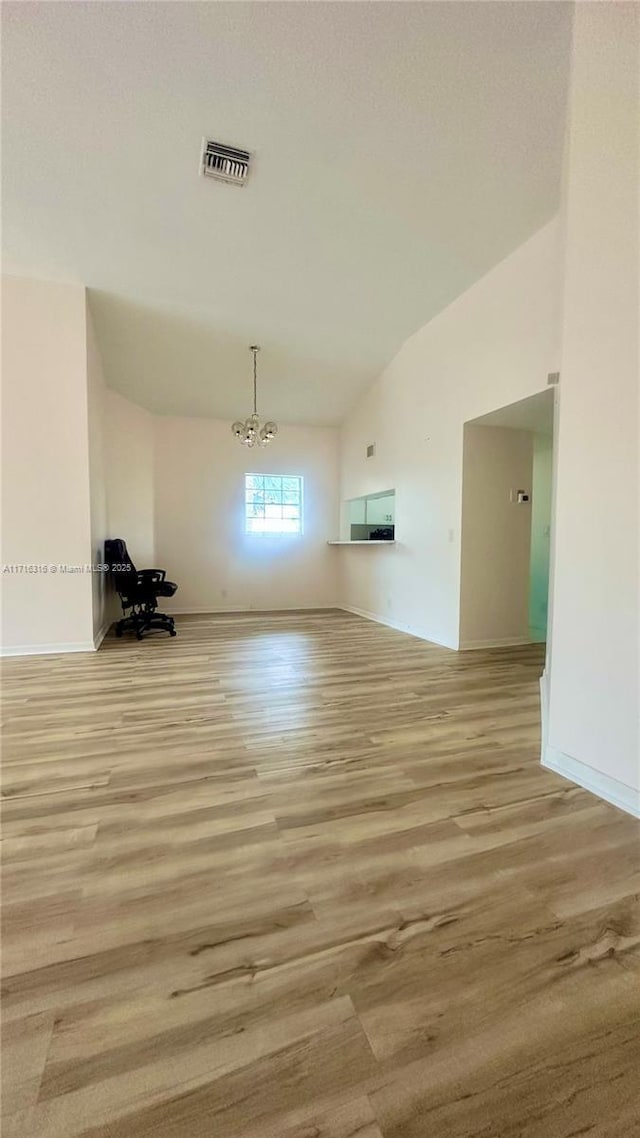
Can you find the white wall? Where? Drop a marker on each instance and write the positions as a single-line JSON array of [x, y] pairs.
[[496, 536], [595, 634], [540, 534], [129, 476], [45, 466], [199, 520], [494, 345], [96, 395]]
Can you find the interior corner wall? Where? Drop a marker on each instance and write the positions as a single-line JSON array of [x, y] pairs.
[[199, 518], [46, 514], [593, 673], [494, 345], [96, 395], [496, 536], [129, 440]]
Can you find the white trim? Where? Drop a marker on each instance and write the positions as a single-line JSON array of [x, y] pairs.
[[617, 793], [100, 635], [503, 642], [171, 611], [46, 649], [395, 624], [544, 713], [57, 649], [557, 400]]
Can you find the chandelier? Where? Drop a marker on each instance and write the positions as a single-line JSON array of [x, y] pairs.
[[251, 433]]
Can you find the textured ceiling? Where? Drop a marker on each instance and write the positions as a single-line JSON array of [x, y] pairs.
[[401, 150]]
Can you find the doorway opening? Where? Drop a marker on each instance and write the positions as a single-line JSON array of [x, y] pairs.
[[506, 524]]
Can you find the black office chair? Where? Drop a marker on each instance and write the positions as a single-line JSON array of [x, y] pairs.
[[138, 590]]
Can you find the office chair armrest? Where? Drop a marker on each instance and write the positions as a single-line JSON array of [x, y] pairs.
[[151, 576]]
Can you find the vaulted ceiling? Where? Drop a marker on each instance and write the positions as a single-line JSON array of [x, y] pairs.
[[400, 151]]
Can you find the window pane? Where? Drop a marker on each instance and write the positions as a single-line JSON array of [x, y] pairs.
[[273, 504]]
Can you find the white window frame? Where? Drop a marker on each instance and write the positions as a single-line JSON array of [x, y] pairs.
[[273, 491]]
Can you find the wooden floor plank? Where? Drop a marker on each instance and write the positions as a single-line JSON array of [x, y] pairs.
[[302, 876]]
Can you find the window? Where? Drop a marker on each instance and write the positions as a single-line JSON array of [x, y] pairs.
[[273, 503]]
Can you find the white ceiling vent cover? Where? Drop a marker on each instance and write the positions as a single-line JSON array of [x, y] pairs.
[[226, 163]]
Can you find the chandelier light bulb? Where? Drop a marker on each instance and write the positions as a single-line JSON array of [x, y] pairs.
[[251, 431]]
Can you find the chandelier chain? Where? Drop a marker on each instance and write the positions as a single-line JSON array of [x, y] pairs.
[[252, 432]]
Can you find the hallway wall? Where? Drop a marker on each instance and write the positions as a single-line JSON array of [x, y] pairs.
[[493, 346], [594, 677], [496, 537]]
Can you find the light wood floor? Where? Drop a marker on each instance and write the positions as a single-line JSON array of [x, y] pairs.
[[301, 876]]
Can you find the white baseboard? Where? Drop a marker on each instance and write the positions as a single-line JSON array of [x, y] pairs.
[[57, 649], [399, 627], [193, 611], [99, 637], [544, 714], [503, 642], [46, 649], [625, 797]]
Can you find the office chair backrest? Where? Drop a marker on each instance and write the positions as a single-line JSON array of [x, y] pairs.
[[121, 567]]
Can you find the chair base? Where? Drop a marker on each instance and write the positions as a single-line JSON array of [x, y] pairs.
[[143, 622]]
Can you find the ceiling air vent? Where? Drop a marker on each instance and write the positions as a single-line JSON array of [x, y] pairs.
[[226, 163]]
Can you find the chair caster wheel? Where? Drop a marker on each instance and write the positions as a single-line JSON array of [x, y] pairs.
[[138, 636], [172, 632], [118, 632]]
